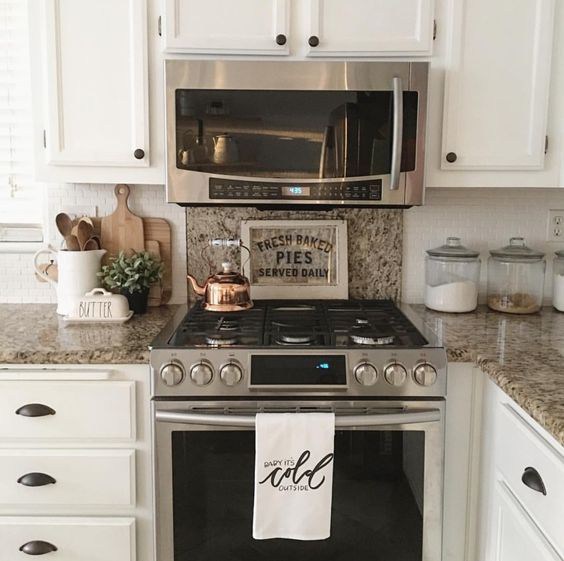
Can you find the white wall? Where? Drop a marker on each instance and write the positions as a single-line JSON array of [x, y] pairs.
[[17, 279], [484, 219]]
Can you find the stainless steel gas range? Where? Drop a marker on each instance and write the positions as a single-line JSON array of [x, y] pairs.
[[368, 361]]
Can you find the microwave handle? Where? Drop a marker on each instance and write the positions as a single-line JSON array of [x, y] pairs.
[[344, 421], [397, 140]]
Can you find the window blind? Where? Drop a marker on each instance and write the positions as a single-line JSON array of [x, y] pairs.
[[21, 200]]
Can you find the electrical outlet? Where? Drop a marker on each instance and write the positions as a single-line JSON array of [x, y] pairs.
[[77, 211], [555, 229]]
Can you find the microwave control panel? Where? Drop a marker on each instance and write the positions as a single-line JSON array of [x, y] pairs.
[[333, 190]]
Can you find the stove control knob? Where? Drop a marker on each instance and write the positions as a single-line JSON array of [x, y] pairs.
[[366, 374], [425, 374], [172, 374], [231, 374], [395, 374], [201, 374]]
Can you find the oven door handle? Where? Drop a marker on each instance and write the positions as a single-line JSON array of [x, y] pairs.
[[397, 140], [341, 421]]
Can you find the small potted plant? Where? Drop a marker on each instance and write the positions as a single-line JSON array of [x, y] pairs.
[[132, 276]]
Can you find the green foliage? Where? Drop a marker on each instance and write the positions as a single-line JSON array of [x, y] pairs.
[[135, 273]]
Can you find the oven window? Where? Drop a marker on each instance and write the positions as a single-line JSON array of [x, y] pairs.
[[377, 499], [291, 134]]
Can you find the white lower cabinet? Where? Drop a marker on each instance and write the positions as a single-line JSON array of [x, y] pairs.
[[515, 536], [75, 463], [67, 477], [521, 485], [68, 539]]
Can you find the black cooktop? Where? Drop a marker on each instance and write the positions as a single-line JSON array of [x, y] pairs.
[[300, 323]]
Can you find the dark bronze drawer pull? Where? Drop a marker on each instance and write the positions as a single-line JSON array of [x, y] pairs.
[[532, 479], [36, 479], [37, 547], [35, 410]]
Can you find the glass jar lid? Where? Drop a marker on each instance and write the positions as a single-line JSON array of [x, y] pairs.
[[454, 249], [517, 249]]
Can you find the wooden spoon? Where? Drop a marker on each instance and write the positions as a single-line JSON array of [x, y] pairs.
[[90, 245], [84, 232], [64, 224], [72, 243]]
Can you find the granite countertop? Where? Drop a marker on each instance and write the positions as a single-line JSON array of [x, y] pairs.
[[522, 354], [35, 334]]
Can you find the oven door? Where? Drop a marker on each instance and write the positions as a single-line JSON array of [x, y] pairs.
[[387, 482], [298, 133]]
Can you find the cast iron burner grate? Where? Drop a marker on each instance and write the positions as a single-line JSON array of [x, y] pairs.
[[299, 324]]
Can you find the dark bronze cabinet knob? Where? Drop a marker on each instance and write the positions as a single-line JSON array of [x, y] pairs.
[[532, 479], [35, 410], [139, 154], [36, 479], [281, 39], [313, 41], [451, 157], [37, 547]]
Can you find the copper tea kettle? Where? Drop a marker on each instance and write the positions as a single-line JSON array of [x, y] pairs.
[[226, 291]]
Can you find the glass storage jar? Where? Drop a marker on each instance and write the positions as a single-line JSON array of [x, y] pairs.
[[516, 278], [452, 275], [558, 281]]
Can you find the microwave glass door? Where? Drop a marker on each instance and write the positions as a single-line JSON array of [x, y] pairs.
[[377, 507], [290, 133]]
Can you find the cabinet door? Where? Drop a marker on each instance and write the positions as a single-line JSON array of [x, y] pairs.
[[95, 82], [370, 27], [227, 26], [515, 537], [497, 85]]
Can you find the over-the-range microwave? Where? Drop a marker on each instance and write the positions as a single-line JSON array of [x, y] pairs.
[[257, 133]]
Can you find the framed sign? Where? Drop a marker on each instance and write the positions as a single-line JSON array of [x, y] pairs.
[[296, 259]]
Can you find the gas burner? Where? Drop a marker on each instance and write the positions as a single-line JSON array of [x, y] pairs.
[[225, 324], [370, 340], [294, 308], [221, 339], [289, 339]]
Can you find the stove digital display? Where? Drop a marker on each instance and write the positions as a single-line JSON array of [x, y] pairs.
[[298, 370]]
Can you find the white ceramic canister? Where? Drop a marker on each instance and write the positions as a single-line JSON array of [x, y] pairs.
[[77, 274]]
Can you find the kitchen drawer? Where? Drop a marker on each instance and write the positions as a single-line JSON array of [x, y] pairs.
[[522, 447], [67, 478], [76, 539], [89, 410]]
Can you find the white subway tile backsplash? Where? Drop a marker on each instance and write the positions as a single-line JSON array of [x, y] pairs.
[[484, 219]]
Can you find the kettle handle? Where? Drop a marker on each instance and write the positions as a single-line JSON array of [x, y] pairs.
[[49, 250]]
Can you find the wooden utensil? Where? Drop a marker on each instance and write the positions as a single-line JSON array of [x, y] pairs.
[[122, 230], [84, 232], [90, 245], [72, 243], [155, 292], [158, 229], [64, 224]]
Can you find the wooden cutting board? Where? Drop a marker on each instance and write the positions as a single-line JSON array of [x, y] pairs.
[[158, 230], [122, 230], [155, 293]]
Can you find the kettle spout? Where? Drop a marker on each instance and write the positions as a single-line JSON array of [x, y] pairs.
[[199, 290]]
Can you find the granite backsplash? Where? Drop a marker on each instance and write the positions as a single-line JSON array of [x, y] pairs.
[[375, 238]]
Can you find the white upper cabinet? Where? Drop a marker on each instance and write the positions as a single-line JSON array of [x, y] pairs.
[[90, 91], [370, 27], [226, 26], [497, 85]]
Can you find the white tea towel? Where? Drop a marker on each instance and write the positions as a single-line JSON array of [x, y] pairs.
[[293, 475]]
